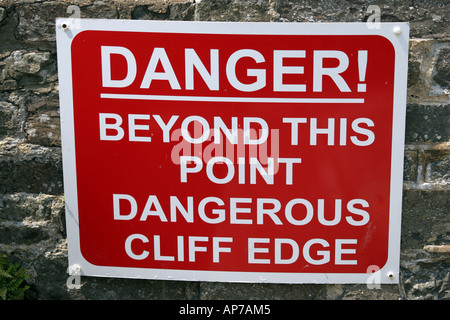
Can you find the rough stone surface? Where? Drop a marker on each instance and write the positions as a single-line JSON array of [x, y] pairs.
[[182, 11], [442, 70], [427, 123], [426, 74], [428, 19], [32, 215], [234, 10]]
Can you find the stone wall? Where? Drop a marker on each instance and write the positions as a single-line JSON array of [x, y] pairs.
[[32, 223]]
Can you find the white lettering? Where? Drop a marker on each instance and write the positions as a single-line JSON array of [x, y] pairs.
[[184, 170], [130, 252], [132, 127], [340, 251], [252, 250], [295, 251], [334, 73], [325, 254], [110, 126], [218, 249], [192, 60], [160, 55], [116, 207], [106, 52], [279, 69], [260, 74], [370, 135]]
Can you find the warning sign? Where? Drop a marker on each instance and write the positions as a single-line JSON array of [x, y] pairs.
[[240, 152]]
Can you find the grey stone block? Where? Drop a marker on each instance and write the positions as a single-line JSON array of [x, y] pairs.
[[427, 123]]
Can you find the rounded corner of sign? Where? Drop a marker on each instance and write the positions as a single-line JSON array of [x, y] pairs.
[[389, 273], [387, 39], [85, 261], [78, 36], [394, 31]]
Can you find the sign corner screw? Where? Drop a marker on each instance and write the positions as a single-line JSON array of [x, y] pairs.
[[76, 268], [64, 26]]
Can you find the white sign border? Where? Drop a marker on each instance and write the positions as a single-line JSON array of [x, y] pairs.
[[397, 33]]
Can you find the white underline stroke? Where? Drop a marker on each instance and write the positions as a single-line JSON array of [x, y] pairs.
[[228, 99]]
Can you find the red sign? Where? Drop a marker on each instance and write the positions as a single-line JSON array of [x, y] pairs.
[[233, 152]]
